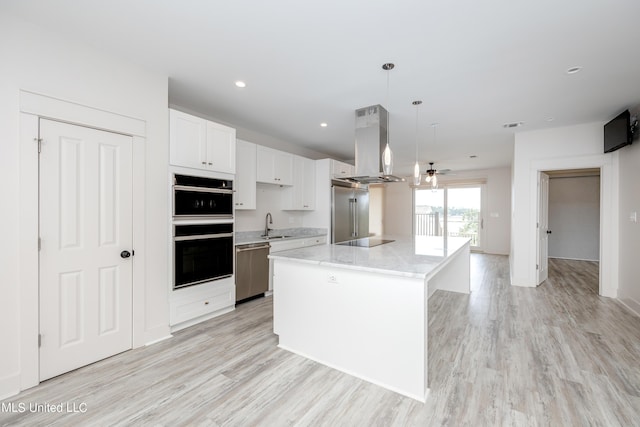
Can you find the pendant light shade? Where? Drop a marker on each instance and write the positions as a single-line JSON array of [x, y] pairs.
[[387, 160], [387, 154], [416, 168], [416, 174]]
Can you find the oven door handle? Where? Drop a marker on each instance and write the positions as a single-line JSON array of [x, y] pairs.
[[202, 189], [202, 236]]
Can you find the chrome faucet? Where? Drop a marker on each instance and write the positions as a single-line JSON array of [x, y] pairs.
[[267, 220]]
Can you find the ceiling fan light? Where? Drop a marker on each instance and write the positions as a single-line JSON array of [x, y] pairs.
[[428, 178], [387, 160], [434, 182]]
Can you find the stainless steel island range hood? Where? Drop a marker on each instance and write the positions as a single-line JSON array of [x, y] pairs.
[[371, 139]]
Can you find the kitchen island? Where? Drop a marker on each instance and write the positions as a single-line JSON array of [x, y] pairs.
[[363, 310]]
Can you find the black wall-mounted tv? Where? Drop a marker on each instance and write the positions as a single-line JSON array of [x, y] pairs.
[[617, 133]]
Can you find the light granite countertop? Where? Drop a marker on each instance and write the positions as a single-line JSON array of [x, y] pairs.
[[248, 237], [416, 257]]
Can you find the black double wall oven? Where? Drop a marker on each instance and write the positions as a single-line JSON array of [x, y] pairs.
[[202, 230]]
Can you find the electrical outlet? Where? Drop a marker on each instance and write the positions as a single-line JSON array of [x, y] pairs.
[[332, 278]]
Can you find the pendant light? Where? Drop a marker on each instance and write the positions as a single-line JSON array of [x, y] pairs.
[[431, 172], [416, 168], [387, 154]]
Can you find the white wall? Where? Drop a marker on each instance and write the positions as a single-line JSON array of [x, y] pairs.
[[376, 210], [572, 147], [397, 218], [41, 62], [574, 217], [629, 243], [398, 206]]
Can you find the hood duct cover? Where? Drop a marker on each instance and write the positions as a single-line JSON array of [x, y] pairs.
[[371, 139]]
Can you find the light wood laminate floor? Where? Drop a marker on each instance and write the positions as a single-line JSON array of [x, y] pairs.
[[556, 355]]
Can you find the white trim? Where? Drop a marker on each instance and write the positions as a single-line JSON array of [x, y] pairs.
[[608, 274], [32, 107], [631, 304], [9, 385], [71, 112]]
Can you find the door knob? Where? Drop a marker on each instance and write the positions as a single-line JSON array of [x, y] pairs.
[[125, 254], [548, 231]]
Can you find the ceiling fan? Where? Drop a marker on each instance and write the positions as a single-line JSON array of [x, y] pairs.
[[432, 175]]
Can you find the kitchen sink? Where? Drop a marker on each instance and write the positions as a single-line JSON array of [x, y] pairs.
[[274, 237]]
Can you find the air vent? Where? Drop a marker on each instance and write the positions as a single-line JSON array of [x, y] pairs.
[[512, 125]]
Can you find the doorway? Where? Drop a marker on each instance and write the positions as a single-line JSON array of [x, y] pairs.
[[453, 210], [85, 266], [572, 223]]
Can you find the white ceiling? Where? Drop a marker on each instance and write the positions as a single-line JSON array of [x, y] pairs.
[[475, 65]]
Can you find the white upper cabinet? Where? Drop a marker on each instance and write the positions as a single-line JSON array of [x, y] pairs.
[[187, 136], [302, 195], [201, 144], [341, 169], [245, 183], [274, 166], [221, 148]]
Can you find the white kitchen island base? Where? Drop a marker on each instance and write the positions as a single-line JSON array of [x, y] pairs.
[[333, 306]]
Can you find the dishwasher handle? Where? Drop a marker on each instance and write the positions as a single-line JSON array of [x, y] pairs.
[[244, 248]]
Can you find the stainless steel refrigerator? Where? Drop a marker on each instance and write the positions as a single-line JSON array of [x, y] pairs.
[[350, 211]]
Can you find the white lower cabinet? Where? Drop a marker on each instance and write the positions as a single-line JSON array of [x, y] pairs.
[[197, 303], [292, 244]]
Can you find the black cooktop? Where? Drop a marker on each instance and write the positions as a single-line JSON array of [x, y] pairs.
[[367, 242]]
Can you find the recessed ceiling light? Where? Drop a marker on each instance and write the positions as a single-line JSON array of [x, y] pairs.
[[323, 124], [512, 125], [549, 119], [573, 70], [240, 83]]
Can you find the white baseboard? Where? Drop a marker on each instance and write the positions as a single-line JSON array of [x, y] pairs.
[[631, 304], [158, 340], [574, 259], [9, 385]]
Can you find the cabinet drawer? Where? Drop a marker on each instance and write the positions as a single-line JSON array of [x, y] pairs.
[[196, 303], [318, 240]]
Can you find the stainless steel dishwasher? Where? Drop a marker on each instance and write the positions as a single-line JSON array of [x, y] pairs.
[[252, 270]]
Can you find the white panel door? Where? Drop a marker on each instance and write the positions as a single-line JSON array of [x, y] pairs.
[[543, 227], [85, 227]]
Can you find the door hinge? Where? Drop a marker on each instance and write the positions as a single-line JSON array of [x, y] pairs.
[[39, 243], [39, 141], [537, 267], [39, 340]]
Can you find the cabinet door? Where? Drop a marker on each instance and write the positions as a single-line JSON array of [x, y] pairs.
[[265, 168], [301, 195], [245, 183], [187, 140], [221, 148], [283, 168], [341, 169], [308, 184], [274, 166]]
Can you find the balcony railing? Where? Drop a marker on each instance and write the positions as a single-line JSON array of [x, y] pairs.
[[428, 224]]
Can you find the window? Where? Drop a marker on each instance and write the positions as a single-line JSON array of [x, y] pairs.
[[454, 210]]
